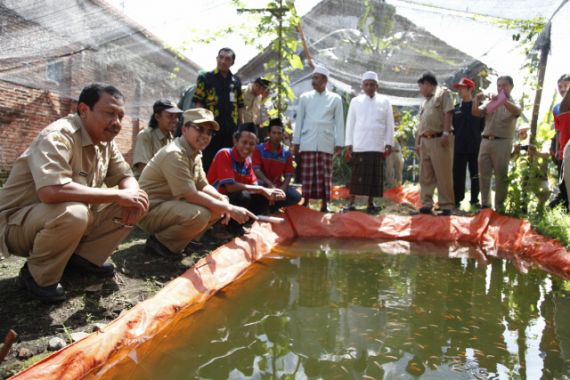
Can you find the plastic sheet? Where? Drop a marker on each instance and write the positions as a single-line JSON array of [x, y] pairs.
[[100, 354]]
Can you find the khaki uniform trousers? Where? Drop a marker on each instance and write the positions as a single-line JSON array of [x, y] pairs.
[[494, 157], [49, 234], [175, 223], [436, 164]]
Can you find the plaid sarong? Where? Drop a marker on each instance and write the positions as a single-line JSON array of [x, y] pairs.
[[367, 174], [316, 175]]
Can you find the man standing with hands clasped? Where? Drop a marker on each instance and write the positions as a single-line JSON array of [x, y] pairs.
[[501, 115], [369, 133], [319, 137]]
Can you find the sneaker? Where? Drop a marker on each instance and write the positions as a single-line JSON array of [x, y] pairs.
[[50, 294], [78, 264], [425, 210], [157, 248]]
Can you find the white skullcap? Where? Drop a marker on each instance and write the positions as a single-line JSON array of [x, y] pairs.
[[319, 69], [370, 75]]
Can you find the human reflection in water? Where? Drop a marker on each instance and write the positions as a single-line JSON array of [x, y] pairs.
[[562, 326], [485, 337], [311, 321], [362, 317], [549, 344]]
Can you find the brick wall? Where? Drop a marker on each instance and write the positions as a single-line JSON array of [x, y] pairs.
[[26, 111]]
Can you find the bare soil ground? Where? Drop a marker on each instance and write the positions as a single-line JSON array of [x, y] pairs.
[[90, 301]]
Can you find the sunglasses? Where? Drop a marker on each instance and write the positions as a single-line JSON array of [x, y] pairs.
[[203, 130]]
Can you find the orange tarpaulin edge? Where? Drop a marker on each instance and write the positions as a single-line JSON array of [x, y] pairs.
[[409, 194], [94, 355]]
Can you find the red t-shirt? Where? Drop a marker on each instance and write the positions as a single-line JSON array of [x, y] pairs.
[[273, 163], [228, 168], [562, 124]]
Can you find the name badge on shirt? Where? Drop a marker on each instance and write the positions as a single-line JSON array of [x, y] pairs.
[[232, 97]]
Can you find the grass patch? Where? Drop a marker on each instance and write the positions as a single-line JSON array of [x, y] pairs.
[[554, 223]]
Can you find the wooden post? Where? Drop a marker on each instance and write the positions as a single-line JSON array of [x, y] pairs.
[[544, 50]]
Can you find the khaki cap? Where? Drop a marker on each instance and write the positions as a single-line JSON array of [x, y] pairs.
[[201, 116]]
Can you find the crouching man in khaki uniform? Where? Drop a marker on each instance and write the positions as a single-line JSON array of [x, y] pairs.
[[182, 203], [53, 207]]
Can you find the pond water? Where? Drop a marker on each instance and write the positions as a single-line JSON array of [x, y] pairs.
[[353, 309]]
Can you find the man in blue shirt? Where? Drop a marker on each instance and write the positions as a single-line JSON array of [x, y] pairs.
[[467, 129]]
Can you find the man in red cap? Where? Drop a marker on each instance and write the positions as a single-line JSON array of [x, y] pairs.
[[467, 129]]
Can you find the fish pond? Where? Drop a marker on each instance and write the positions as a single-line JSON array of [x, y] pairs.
[[365, 309]]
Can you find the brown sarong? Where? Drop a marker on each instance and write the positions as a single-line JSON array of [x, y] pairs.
[[367, 174]]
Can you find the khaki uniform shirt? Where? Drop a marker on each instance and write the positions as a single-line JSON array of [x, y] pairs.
[[434, 110], [63, 152], [252, 103], [500, 123], [175, 170], [148, 142]]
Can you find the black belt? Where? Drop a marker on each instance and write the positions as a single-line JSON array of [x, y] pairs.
[[432, 136], [491, 137]]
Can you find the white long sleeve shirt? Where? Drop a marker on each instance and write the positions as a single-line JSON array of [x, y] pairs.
[[320, 122], [369, 123]]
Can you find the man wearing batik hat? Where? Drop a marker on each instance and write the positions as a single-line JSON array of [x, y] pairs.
[[254, 95], [369, 133], [318, 136], [160, 132], [182, 203], [467, 129]]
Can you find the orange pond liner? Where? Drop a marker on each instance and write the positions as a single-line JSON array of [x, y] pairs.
[[100, 354]]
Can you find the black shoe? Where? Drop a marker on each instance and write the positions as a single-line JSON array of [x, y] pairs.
[[155, 247], [425, 210], [348, 208], [53, 293], [78, 264], [445, 212], [373, 209]]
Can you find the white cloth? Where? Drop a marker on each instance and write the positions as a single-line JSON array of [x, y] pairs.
[[369, 123], [320, 122]]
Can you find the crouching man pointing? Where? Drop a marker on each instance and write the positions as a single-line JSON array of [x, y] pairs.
[[182, 203]]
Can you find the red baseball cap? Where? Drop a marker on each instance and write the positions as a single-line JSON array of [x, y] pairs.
[[464, 82]]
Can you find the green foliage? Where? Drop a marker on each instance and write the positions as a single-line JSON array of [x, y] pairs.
[[405, 133], [554, 223], [527, 176], [281, 22], [377, 23]]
